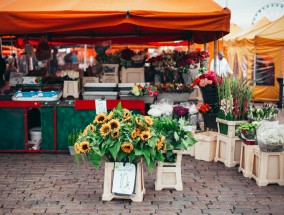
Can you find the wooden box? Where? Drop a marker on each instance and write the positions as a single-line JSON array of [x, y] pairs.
[[71, 88], [246, 159], [231, 126], [132, 75]]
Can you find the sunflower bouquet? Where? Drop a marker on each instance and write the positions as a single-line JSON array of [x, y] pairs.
[[121, 136]]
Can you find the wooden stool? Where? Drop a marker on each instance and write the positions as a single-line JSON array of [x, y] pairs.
[[71, 88], [267, 167], [246, 159], [228, 150], [169, 174]]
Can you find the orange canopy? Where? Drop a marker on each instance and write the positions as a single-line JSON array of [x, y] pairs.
[[129, 20]]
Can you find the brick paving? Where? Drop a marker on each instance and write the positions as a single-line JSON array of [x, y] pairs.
[[54, 184]]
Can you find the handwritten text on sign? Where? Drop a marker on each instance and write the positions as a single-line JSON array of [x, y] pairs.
[[124, 178], [101, 106]]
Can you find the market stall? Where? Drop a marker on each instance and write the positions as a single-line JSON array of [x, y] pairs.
[[122, 22]]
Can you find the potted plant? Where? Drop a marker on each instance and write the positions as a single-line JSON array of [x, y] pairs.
[[176, 140], [72, 137]]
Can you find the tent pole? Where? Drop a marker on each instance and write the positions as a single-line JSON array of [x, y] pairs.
[[215, 50], [205, 40], [188, 45]]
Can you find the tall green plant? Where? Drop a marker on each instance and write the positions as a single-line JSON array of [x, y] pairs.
[[72, 137], [234, 96]]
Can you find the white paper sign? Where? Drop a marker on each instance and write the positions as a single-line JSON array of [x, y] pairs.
[[101, 106], [124, 179]]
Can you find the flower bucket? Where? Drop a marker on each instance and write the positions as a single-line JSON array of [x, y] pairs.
[[210, 94], [210, 120], [228, 127], [175, 97]]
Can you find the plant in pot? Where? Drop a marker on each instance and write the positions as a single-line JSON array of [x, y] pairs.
[[72, 137], [234, 96]]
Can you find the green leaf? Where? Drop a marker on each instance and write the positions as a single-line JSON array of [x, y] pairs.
[[146, 153], [95, 159], [153, 153], [151, 166], [160, 156], [152, 142], [138, 152], [114, 150], [176, 136], [119, 107]]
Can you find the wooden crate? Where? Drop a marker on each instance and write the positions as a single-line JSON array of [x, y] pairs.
[[89, 80], [267, 167], [132, 75], [168, 175], [109, 79], [205, 147], [228, 150], [71, 88], [139, 186], [246, 159], [231, 126]]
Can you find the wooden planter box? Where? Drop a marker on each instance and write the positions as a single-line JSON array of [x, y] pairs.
[[246, 159], [71, 88], [132, 75], [267, 167], [227, 128], [205, 148], [139, 185], [89, 80], [168, 175], [228, 150]]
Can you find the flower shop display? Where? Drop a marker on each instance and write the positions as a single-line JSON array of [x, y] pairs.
[[144, 92], [267, 167], [247, 132], [208, 84], [177, 92], [270, 138], [267, 112], [177, 139]]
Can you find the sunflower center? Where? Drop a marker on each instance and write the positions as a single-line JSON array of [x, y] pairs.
[[101, 119], [84, 147]]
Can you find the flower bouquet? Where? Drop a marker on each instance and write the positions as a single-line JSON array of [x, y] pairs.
[[247, 133], [70, 75], [121, 136], [146, 90], [267, 112]]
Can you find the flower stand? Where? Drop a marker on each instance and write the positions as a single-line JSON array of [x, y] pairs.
[[168, 175], [139, 185], [227, 127], [228, 150], [267, 167], [246, 159], [71, 88], [205, 148]]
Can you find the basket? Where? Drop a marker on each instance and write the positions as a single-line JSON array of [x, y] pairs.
[[210, 120], [210, 94]]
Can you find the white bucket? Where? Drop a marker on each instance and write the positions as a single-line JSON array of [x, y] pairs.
[[35, 134]]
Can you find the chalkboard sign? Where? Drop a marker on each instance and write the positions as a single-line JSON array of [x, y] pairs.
[[124, 178]]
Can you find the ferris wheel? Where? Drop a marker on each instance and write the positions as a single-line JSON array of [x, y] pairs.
[[272, 11]]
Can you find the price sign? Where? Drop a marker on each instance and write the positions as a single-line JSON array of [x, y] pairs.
[[101, 106], [124, 178]]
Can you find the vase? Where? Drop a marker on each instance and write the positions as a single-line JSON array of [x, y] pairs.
[[210, 121], [187, 78], [168, 175], [210, 94], [71, 150], [108, 180]]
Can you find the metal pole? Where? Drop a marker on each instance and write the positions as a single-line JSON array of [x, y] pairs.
[[215, 51]]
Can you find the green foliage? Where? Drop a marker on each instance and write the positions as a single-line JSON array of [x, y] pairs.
[[72, 137]]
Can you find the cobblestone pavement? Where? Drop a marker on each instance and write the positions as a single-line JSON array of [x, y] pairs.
[[54, 184]]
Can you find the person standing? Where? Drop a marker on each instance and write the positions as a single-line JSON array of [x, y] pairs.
[[222, 66]]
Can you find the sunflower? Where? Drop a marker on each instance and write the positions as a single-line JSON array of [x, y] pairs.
[[100, 118], [138, 131], [147, 129], [162, 138], [148, 120], [110, 115], [114, 124], [85, 146], [85, 132], [145, 135], [126, 119], [159, 144], [77, 148], [115, 134], [138, 122], [92, 128], [165, 147], [105, 130], [133, 134], [126, 113], [127, 147]]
